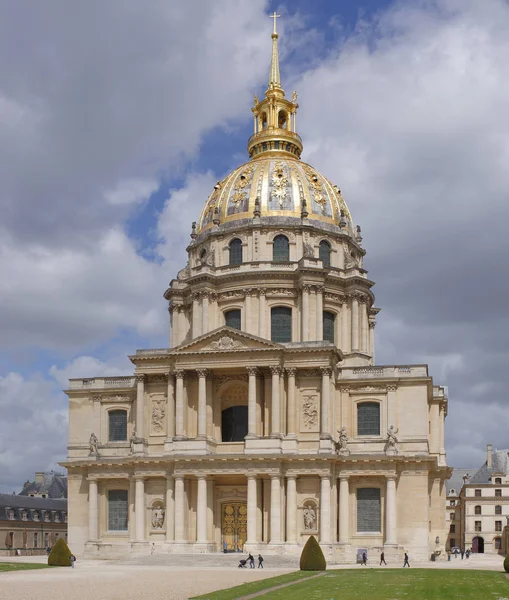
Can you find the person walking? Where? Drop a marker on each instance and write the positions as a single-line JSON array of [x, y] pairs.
[[448, 555], [364, 562], [260, 561], [467, 553], [406, 563], [462, 554], [382, 559], [455, 553], [250, 558], [72, 558]]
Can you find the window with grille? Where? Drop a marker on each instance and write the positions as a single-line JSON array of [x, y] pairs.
[[477, 493], [498, 493], [453, 516], [236, 252], [498, 543], [498, 510], [328, 326], [117, 510], [477, 510], [498, 480], [281, 249], [324, 253], [117, 425], [281, 324], [477, 526], [498, 525], [452, 528], [232, 318], [368, 510], [36, 535], [368, 418]]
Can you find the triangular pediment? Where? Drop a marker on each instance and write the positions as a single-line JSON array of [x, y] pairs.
[[226, 339]]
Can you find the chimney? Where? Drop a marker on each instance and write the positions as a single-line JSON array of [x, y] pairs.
[[489, 459], [39, 476]]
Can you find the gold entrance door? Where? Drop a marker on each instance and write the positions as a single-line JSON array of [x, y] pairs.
[[234, 525]]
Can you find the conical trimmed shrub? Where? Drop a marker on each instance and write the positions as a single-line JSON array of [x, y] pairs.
[[506, 564], [60, 554], [312, 558]]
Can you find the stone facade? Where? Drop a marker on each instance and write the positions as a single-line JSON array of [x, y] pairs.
[[266, 420]]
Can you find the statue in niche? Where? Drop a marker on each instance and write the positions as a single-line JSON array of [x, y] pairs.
[[309, 515], [157, 517], [391, 440], [93, 444], [341, 445]]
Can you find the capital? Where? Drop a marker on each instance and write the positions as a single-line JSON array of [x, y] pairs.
[[140, 378], [327, 371], [262, 292], [202, 373], [291, 371], [179, 373], [275, 370], [252, 370]]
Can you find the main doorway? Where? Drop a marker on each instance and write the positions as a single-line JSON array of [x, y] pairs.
[[478, 545], [233, 526]]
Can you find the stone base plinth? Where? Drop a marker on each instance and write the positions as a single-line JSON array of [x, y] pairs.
[[325, 446], [263, 446]]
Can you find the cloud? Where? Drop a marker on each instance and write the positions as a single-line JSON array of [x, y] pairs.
[[88, 366]]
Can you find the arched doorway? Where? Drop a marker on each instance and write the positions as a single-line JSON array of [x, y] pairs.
[[478, 545]]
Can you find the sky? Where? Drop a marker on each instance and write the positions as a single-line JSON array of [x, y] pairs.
[[117, 118]]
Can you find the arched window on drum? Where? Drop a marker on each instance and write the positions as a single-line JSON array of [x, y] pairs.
[[324, 251], [236, 252], [281, 324], [281, 249]]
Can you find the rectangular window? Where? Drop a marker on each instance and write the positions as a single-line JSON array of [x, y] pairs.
[[453, 516], [452, 502], [232, 318], [498, 510], [477, 493], [368, 510], [328, 326], [498, 493], [117, 510], [281, 324], [452, 528], [46, 540], [478, 526], [36, 535], [368, 418], [118, 425], [498, 525], [452, 542], [498, 543]]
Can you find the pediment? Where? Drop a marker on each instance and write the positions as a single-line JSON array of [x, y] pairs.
[[226, 339]]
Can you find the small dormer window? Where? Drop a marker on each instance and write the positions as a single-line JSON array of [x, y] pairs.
[[498, 480]]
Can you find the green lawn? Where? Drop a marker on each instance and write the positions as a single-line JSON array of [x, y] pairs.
[[21, 566], [380, 584]]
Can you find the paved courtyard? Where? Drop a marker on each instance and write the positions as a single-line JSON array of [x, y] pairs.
[[162, 577]]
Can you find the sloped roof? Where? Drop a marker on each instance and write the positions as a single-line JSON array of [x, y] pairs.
[[54, 485], [500, 464], [33, 508], [455, 482]]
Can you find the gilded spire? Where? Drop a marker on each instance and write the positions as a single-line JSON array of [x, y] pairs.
[[274, 77]]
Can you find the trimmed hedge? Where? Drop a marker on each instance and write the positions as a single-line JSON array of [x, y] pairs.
[[60, 554], [506, 564], [312, 558]]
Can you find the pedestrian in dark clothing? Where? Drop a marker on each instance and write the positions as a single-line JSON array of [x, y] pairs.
[[406, 563], [72, 558], [250, 558], [364, 560], [382, 559], [260, 561], [462, 554], [467, 553]]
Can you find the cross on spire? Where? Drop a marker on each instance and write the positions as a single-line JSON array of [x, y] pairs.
[[275, 16]]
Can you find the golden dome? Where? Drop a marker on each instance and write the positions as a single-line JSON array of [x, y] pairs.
[[272, 186]]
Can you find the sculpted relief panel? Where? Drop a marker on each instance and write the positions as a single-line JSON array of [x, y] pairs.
[[157, 413], [310, 412]]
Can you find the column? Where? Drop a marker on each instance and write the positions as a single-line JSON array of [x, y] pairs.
[[325, 510], [170, 508], [140, 406], [196, 318], [248, 311], [355, 323], [390, 515], [261, 313], [170, 407], [179, 509], [93, 511], [325, 404], [172, 310], [391, 405], [251, 402], [179, 404], [139, 508], [202, 403], [319, 313], [201, 512], [305, 313], [251, 509], [292, 410], [276, 407], [345, 329], [291, 509], [275, 509], [441, 429], [182, 331], [363, 317], [344, 510], [205, 313], [372, 340]]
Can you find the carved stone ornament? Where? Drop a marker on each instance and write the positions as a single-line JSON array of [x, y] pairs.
[[391, 441], [225, 343], [158, 412], [309, 517], [310, 412], [93, 444], [341, 446], [158, 516]]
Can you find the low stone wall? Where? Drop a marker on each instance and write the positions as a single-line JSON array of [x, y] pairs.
[[22, 551]]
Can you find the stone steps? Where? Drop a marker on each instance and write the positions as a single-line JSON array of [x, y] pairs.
[[218, 560]]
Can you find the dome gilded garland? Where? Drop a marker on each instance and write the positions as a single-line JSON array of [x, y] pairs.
[[275, 186]]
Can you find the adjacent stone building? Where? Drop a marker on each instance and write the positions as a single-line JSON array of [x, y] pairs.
[[478, 505], [266, 419]]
